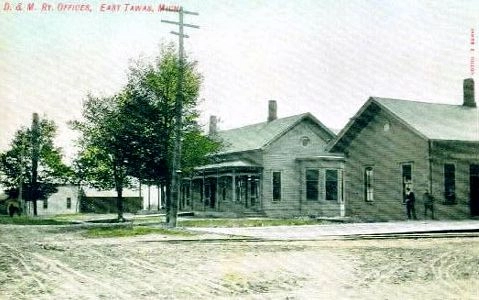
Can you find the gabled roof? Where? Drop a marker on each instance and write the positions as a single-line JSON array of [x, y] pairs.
[[432, 121], [258, 136], [436, 121]]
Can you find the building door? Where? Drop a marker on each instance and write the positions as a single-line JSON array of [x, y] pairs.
[[254, 190], [213, 193], [210, 192], [406, 179], [474, 189]]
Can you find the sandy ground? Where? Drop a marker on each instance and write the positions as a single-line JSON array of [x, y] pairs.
[[50, 262]]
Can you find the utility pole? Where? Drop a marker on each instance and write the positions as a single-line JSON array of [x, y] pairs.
[[35, 155], [173, 201], [21, 201]]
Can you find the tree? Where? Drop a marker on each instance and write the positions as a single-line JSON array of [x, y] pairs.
[[105, 145], [151, 97], [197, 149], [33, 165], [131, 134]]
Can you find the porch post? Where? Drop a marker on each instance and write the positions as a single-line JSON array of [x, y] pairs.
[[260, 191], [192, 202], [233, 185], [342, 204], [248, 191], [217, 198], [203, 194]]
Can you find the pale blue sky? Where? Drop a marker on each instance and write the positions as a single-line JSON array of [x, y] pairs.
[[325, 57]]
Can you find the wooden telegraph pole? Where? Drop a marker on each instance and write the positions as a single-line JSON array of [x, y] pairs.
[[21, 200], [35, 156], [173, 201]]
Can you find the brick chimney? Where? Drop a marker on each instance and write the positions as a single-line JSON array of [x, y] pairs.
[[468, 88], [213, 125], [272, 110]]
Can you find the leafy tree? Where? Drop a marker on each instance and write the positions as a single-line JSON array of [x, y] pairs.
[[151, 95], [34, 163], [197, 149], [132, 133], [105, 145]]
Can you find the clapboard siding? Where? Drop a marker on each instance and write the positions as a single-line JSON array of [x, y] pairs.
[[274, 146], [461, 155], [280, 156], [385, 151], [321, 206]]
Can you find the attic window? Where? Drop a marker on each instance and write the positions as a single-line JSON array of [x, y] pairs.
[[305, 141], [387, 127]]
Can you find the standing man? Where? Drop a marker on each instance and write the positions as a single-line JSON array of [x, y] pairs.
[[428, 204], [410, 200]]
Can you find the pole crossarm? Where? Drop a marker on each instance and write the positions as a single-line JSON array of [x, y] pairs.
[[170, 22], [180, 34], [191, 26], [179, 24], [190, 13]]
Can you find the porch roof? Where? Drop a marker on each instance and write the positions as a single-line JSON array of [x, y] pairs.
[[228, 164]]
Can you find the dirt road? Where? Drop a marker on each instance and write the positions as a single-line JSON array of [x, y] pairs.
[[50, 262]]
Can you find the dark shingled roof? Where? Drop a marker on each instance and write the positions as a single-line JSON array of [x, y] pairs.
[[257, 136]]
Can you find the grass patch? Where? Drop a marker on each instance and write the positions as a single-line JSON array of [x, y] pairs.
[[27, 220], [147, 220], [84, 217], [125, 231], [246, 222], [69, 217]]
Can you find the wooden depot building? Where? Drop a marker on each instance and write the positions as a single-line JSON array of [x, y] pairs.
[[277, 168], [393, 144]]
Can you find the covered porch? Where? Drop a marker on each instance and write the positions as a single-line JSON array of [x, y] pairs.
[[232, 186]]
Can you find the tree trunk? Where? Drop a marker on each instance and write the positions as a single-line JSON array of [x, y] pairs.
[[119, 203], [117, 172], [174, 200], [168, 203], [34, 207]]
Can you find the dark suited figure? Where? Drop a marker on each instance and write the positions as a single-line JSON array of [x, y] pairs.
[[11, 210], [428, 204], [410, 200]]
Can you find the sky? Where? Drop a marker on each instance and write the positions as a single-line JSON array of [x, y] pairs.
[[323, 57]]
